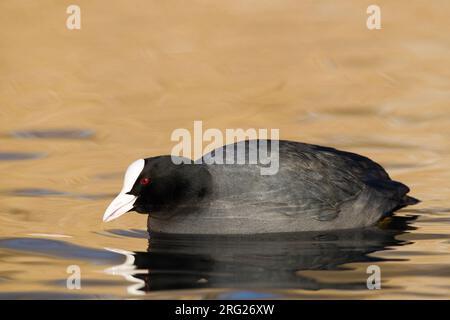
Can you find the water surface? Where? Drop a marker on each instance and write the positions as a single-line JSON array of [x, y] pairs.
[[76, 107]]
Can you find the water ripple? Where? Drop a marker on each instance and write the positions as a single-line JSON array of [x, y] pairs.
[[53, 134], [12, 156]]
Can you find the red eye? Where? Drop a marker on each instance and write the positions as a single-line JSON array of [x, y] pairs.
[[144, 181]]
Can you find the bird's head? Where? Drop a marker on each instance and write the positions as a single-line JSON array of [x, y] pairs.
[[153, 184]]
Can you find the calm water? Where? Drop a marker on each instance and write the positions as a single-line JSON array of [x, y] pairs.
[[76, 107]]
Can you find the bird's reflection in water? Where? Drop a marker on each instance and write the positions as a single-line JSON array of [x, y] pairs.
[[261, 261]]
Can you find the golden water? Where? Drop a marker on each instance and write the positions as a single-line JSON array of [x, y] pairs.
[[137, 70]]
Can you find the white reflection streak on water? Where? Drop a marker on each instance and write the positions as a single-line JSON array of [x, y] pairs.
[[127, 270]]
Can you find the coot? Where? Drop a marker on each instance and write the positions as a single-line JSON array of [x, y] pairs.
[[314, 188]]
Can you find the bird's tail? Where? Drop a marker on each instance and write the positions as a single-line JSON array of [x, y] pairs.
[[409, 201]]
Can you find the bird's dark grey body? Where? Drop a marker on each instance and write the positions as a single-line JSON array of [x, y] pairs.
[[316, 188]]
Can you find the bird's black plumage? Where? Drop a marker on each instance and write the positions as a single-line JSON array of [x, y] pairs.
[[315, 188]]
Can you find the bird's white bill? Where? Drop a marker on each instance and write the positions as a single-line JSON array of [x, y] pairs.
[[124, 202], [120, 205]]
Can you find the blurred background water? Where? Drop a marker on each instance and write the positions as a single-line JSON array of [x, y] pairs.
[[76, 107]]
